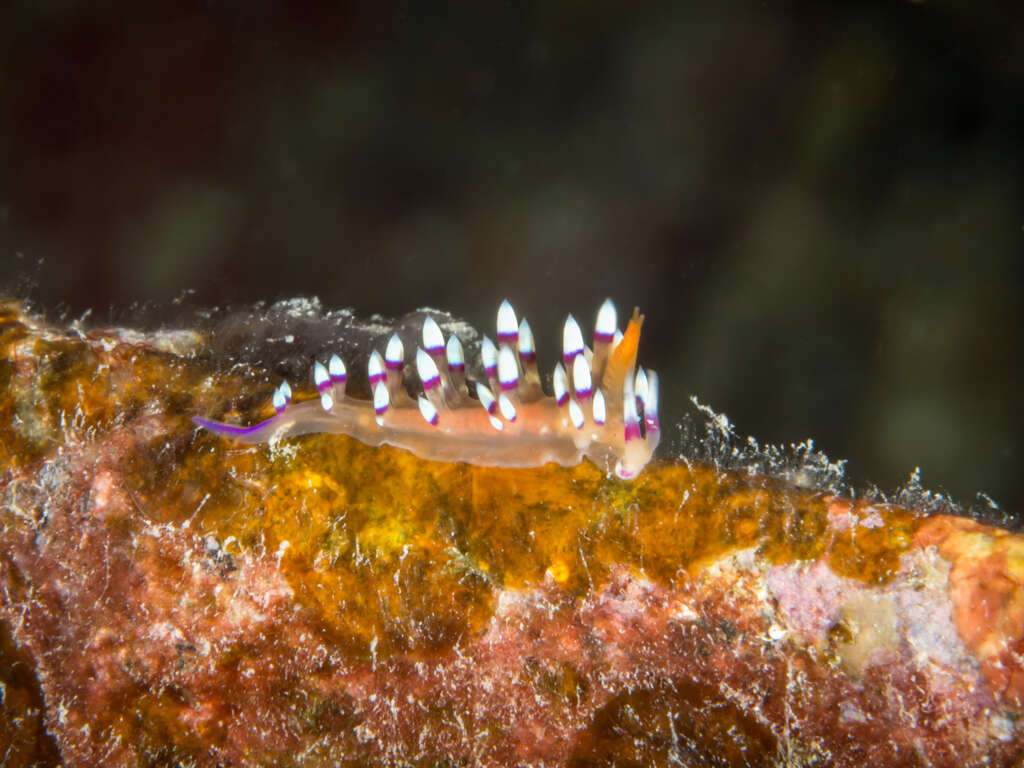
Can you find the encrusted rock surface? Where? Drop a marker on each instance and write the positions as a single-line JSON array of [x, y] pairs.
[[169, 598]]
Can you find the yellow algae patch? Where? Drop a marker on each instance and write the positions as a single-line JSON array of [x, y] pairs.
[[367, 552], [871, 552], [558, 572]]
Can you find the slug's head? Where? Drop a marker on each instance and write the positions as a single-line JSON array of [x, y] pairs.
[[625, 429]]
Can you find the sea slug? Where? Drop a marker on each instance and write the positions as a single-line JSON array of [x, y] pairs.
[[602, 408]]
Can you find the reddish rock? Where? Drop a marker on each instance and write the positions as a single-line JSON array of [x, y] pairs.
[[181, 600]]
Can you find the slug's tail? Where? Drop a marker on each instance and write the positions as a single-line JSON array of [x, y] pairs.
[[262, 432], [257, 433]]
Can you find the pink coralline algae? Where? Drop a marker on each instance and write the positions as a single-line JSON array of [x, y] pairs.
[[171, 598]]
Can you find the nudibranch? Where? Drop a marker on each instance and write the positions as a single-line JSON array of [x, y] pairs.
[[602, 407]]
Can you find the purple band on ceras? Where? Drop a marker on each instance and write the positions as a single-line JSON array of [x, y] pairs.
[[428, 411], [487, 399], [282, 396], [453, 351], [375, 369], [560, 383], [605, 327], [508, 370], [433, 339], [427, 370], [651, 404], [394, 354], [336, 370], [489, 358], [582, 382], [527, 351], [630, 415], [321, 377], [508, 328], [572, 342], [381, 399]]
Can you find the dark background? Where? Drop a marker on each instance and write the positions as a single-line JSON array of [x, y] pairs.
[[819, 206]]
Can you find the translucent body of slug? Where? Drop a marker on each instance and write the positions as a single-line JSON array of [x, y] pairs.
[[600, 410]]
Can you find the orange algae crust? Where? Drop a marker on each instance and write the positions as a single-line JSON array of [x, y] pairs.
[[320, 602]]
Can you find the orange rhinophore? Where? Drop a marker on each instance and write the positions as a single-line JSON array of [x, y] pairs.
[[507, 421]]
